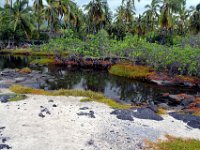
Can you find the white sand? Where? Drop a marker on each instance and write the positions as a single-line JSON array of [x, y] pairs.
[[63, 129]]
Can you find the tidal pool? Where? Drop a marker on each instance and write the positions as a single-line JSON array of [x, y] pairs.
[[118, 88]]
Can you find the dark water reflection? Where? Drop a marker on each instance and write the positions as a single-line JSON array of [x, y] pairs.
[[100, 81]]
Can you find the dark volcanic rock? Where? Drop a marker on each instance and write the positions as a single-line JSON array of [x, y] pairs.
[[163, 105], [90, 142], [141, 113], [4, 146], [54, 105], [123, 114], [90, 114], [2, 128], [186, 102], [153, 108], [5, 98], [193, 121], [84, 108], [197, 106], [41, 115], [146, 113], [44, 110]]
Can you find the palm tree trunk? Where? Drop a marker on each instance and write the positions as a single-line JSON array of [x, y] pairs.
[[51, 22], [9, 40]]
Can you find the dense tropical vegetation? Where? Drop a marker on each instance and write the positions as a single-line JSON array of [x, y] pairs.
[[165, 36]]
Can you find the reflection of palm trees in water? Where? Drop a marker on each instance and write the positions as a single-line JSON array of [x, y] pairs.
[[96, 81], [13, 62], [64, 78], [133, 91]]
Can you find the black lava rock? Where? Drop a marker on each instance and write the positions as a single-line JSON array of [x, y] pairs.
[[50, 101], [41, 115], [4, 146], [197, 105], [123, 114], [2, 128], [84, 108], [5, 98], [186, 102], [45, 110], [54, 105], [146, 113], [141, 113], [192, 121], [90, 114], [153, 108]]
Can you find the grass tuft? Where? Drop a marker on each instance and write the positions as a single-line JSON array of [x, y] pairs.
[[90, 95], [44, 61], [24, 70], [131, 71], [18, 97], [178, 144], [161, 111]]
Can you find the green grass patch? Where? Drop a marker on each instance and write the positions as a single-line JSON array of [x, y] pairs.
[[44, 61], [90, 95], [130, 71], [18, 97], [31, 52], [177, 144]]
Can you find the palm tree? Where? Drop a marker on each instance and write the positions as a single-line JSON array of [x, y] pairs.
[[182, 23], [195, 20], [169, 7], [124, 15], [130, 2], [152, 13], [51, 14], [22, 18], [38, 7], [96, 14], [64, 8]]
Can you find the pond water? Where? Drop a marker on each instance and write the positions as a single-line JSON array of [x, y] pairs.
[[118, 88]]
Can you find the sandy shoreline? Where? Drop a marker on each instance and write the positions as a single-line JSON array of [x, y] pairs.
[[63, 128]]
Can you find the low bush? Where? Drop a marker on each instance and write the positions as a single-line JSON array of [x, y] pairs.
[[131, 71]]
